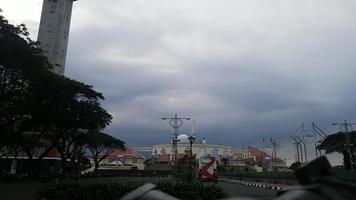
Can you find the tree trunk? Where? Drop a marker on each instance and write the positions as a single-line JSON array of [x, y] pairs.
[[75, 166], [96, 166], [347, 163], [353, 159], [63, 167], [32, 173]]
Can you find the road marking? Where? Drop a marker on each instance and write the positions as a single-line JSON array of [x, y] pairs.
[[266, 186]]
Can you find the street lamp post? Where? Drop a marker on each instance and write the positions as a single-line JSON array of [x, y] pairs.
[[191, 141], [175, 122], [346, 126]]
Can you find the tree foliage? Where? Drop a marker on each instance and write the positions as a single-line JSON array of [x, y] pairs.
[[337, 143], [21, 62], [294, 166], [100, 145], [39, 108]]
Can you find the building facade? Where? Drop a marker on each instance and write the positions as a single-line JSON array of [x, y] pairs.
[[250, 157], [123, 160]]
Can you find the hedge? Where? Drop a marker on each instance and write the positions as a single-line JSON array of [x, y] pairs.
[[111, 190], [83, 190], [345, 175], [195, 190]]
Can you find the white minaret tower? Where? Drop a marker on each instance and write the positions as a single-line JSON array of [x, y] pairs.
[[54, 31]]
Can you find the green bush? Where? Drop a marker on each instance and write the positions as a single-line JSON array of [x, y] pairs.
[[184, 176], [345, 175], [84, 190], [194, 190], [111, 190]]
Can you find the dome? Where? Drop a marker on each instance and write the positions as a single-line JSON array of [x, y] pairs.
[[183, 138]]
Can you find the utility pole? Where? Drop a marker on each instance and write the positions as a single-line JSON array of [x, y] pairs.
[[318, 134], [298, 154], [261, 146], [305, 148], [191, 141], [298, 141], [175, 122], [344, 127], [276, 147]]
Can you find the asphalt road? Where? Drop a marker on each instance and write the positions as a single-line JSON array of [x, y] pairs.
[[242, 191]]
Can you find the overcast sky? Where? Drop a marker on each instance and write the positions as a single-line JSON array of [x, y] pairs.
[[242, 69]]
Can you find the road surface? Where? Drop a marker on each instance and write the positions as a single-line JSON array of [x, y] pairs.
[[237, 190]]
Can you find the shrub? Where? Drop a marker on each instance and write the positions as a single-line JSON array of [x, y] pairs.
[[84, 190], [194, 190], [10, 177], [183, 176], [345, 175], [111, 190]]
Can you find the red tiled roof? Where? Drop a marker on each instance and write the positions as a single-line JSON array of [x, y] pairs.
[[54, 153], [127, 153], [257, 153], [237, 156], [164, 158], [167, 157], [180, 156]]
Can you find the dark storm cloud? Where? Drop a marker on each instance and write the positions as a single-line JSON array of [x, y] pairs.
[[243, 71]]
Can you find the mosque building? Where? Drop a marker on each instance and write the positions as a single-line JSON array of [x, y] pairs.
[[237, 157], [164, 151]]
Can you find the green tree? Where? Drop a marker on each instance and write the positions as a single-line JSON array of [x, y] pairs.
[[294, 166], [39, 108], [71, 110], [21, 63], [337, 143], [225, 163], [100, 145]]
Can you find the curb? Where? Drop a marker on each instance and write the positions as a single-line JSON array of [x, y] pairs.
[[252, 184]]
